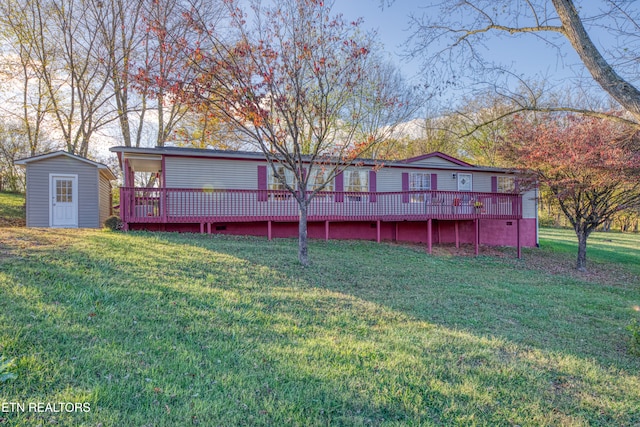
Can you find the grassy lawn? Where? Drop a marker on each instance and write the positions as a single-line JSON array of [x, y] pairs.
[[11, 209], [602, 248], [177, 330]]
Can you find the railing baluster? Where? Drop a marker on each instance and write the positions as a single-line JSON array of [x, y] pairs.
[[195, 205]]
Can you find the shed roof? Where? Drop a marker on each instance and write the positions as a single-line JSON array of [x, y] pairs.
[[103, 168]]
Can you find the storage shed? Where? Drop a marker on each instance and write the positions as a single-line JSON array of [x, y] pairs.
[[67, 191]]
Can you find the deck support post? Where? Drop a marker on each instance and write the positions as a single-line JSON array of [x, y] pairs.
[[518, 239], [397, 232], [208, 228], [268, 230], [326, 231], [429, 237], [378, 231], [202, 228], [457, 234], [477, 236]]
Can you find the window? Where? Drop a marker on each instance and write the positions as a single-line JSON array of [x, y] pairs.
[[506, 184], [64, 191], [356, 181], [319, 177], [419, 182], [276, 184], [274, 181]]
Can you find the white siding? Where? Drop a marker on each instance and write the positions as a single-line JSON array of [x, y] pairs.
[[529, 204], [220, 174], [434, 161], [215, 174], [482, 182], [390, 179]]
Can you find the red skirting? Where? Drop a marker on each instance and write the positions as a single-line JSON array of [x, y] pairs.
[[492, 232]]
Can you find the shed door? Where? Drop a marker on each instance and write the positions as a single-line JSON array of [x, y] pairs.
[[64, 200]]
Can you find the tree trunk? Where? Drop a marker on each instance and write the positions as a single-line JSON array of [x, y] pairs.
[[581, 264], [303, 252], [620, 89]]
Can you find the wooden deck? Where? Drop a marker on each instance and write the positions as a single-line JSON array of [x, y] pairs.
[[174, 205]]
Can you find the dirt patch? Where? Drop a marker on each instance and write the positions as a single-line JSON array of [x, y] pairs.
[[564, 264], [18, 242], [12, 222]]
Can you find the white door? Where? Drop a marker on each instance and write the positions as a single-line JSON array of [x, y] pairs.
[[64, 200], [465, 182]]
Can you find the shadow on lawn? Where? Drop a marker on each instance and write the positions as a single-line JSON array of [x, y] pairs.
[[150, 349], [485, 296], [168, 329]]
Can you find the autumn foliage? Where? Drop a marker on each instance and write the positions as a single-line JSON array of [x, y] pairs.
[[589, 164], [299, 84]]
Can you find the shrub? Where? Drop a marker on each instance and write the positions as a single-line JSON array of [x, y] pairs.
[[634, 341], [113, 223]]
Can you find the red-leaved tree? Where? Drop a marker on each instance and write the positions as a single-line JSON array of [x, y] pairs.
[[302, 86], [589, 164]]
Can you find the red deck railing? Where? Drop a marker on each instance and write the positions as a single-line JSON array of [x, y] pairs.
[[183, 205]]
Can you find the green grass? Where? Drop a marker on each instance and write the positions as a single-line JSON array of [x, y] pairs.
[[176, 330], [11, 205], [610, 247]]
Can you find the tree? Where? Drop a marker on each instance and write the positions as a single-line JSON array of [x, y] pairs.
[[455, 38], [77, 74], [421, 136], [60, 50], [15, 144], [25, 95], [203, 128], [590, 165], [300, 85], [119, 24], [166, 37]]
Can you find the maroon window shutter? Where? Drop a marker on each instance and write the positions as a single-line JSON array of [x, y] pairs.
[[262, 183], [405, 187], [434, 181], [339, 187], [494, 184], [373, 186]]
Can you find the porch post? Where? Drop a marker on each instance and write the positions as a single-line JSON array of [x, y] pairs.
[[124, 208], [269, 230], [429, 237], [326, 231], [457, 235], [163, 190], [125, 175], [518, 238], [378, 231], [477, 235], [208, 228], [163, 204]]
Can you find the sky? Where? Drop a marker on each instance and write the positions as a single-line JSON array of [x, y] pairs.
[[527, 55], [391, 24]]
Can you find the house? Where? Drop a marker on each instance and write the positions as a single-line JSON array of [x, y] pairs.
[[432, 198], [66, 191]]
